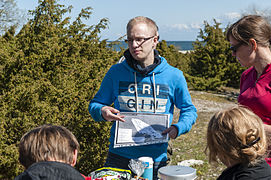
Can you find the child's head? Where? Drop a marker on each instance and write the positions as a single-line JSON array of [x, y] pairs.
[[236, 135], [48, 143]]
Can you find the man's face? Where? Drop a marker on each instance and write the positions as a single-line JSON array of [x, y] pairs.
[[141, 42]]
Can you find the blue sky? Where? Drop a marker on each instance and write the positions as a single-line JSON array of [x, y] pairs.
[[178, 20]]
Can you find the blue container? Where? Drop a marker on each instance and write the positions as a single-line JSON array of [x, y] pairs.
[[148, 172]]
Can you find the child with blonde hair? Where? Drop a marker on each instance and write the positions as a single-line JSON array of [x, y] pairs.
[[237, 138]]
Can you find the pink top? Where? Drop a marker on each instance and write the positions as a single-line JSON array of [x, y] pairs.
[[256, 94]]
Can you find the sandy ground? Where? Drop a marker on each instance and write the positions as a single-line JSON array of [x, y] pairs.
[[207, 105]]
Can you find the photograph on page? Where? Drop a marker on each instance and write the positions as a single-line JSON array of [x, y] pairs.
[[141, 129]]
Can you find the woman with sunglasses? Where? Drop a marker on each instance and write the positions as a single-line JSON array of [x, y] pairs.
[[250, 43]]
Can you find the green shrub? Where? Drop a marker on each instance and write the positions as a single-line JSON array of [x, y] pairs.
[[212, 64], [50, 71], [173, 56]]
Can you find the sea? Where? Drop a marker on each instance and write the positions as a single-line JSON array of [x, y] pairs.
[[181, 45]]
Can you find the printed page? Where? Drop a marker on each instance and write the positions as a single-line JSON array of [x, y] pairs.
[[141, 129]]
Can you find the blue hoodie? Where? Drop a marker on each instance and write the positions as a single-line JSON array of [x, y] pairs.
[[118, 87]]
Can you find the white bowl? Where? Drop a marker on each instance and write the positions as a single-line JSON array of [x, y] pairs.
[[177, 173]]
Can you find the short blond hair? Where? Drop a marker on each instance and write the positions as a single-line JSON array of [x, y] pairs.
[[237, 134], [47, 142], [141, 19]]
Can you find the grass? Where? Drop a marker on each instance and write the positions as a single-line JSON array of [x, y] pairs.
[[192, 144]]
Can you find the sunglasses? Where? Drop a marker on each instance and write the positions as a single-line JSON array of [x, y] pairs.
[[235, 48]]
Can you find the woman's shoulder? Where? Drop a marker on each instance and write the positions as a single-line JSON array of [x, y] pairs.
[[249, 70]]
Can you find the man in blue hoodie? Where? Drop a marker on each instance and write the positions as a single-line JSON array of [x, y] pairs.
[[143, 82]]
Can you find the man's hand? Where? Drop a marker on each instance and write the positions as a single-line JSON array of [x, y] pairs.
[[111, 114], [172, 132]]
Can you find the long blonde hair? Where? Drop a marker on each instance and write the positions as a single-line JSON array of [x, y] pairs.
[[236, 134]]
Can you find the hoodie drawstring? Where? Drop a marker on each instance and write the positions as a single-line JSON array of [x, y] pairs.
[[154, 93], [136, 96]]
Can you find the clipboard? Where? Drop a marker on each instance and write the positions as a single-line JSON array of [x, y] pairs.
[[141, 129]]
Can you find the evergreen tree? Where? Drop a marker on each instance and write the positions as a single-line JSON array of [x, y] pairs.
[[212, 63], [173, 56], [49, 72]]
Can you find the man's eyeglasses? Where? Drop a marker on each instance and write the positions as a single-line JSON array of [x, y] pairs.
[[138, 40], [235, 48]]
